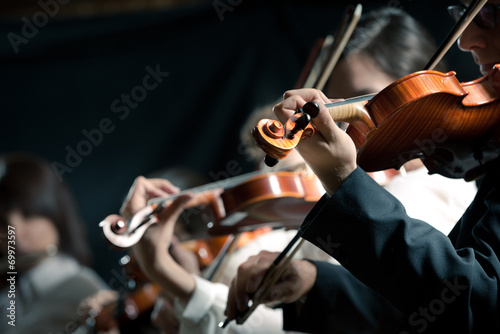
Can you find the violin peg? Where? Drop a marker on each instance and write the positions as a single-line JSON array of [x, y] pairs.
[[274, 129], [300, 124], [270, 161], [119, 227], [311, 108]]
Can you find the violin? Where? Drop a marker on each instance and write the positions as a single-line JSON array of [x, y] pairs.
[[414, 101], [238, 204], [430, 115], [253, 200], [111, 310]]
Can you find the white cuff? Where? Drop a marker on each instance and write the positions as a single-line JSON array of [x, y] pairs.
[[201, 301]]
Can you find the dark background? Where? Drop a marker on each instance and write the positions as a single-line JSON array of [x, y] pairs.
[[64, 80]]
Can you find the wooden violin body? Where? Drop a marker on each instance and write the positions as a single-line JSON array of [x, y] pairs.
[[272, 199], [447, 124], [429, 115]]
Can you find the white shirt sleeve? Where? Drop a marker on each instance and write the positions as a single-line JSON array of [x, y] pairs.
[[435, 199], [205, 310]]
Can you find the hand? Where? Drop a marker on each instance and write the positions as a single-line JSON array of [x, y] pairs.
[[330, 153], [142, 191], [151, 251], [296, 281], [101, 307]]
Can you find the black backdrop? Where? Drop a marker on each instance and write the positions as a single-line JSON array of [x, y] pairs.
[[71, 79]]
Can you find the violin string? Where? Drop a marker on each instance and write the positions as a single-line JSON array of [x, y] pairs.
[[351, 100]]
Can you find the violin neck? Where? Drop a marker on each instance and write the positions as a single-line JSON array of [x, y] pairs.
[[361, 98], [352, 111], [208, 188]]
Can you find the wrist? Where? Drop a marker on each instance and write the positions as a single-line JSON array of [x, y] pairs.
[[333, 179], [310, 272], [173, 278]]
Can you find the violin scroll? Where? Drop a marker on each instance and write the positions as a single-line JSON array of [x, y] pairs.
[[123, 235], [277, 140]]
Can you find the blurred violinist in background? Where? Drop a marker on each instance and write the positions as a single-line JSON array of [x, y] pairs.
[[199, 303], [49, 248], [141, 305]]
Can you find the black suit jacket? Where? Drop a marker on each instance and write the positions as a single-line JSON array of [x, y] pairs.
[[439, 284]]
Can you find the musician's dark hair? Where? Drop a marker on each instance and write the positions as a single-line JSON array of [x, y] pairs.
[[397, 43], [30, 185]]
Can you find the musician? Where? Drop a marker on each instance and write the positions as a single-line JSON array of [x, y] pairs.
[[438, 283], [368, 65], [39, 222], [199, 303]]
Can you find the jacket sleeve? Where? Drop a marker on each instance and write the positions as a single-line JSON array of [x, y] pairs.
[[339, 303], [416, 268]]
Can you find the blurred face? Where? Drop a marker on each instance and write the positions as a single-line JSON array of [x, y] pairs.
[[483, 44], [356, 75], [33, 234]]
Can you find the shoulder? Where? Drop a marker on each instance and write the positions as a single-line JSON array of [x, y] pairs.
[[67, 279], [83, 283]]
